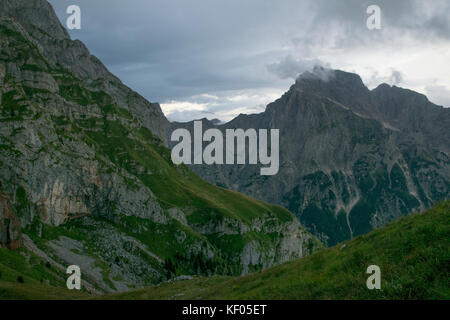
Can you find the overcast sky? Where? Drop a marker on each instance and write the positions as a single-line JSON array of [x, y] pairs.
[[219, 58]]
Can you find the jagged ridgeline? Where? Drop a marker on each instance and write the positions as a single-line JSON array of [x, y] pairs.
[[86, 178], [351, 159]]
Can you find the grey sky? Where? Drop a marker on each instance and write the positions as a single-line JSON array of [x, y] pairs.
[[218, 58]]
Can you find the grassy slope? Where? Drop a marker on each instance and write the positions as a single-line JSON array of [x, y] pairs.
[[26, 291], [413, 254], [34, 274]]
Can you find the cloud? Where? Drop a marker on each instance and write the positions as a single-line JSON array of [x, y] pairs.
[[390, 76], [438, 94], [291, 68], [180, 106], [175, 51], [318, 72], [223, 105], [396, 77]]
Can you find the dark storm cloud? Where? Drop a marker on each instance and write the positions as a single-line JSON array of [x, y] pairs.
[[425, 18], [396, 77], [177, 49]]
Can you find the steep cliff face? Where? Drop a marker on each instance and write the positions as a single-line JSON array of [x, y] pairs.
[[351, 159], [42, 28], [87, 179], [10, 233]]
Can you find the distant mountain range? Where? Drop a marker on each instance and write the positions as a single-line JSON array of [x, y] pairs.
[[351, 159]]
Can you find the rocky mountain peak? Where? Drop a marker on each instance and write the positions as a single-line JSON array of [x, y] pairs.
[[35, 16], [328, 81], [352, 159], [36, 20], [345, 88], [386, 91]]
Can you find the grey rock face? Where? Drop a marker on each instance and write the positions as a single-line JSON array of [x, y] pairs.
[[85, 177], [38, 19], [351, 159]]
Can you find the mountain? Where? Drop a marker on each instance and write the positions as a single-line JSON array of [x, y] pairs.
[[86, 178], [412, 255], [351, 159]]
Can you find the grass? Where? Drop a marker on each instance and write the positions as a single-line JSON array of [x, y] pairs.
[[413, 254], [21, 263], [24, 291]]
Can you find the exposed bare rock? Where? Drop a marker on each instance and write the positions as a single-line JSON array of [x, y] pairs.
[[351, 159]]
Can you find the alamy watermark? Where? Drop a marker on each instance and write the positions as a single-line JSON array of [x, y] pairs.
[[374, 281], [237, 151], [74, 20], [74, 280], [374, 20]]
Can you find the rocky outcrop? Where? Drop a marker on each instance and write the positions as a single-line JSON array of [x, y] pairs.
[[42, 28]]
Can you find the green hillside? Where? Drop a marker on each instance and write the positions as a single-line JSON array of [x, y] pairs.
[[24, 275], [412, 253]]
